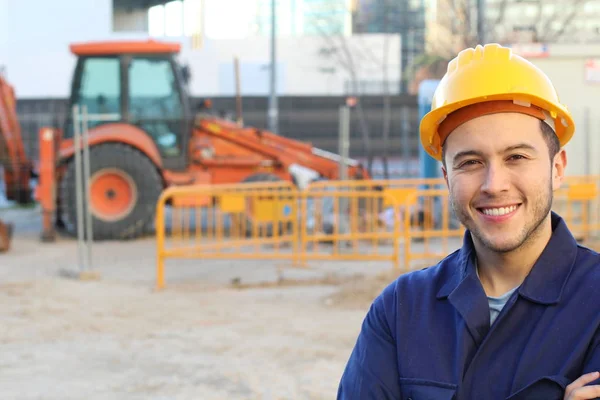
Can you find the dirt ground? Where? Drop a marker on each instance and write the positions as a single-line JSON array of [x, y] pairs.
[[274, 333], [220, 330]]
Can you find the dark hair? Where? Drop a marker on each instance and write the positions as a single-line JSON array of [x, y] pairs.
[[548, 134], [550, 138]]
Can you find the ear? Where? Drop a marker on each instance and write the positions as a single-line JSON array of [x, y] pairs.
[[558, 169]]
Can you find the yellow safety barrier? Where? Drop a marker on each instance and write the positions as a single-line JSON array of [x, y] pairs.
[[395, 220], [436, 232], [348, 225], [578, 202], [439, 232], [275, 221], [225, 221], [378, 184]]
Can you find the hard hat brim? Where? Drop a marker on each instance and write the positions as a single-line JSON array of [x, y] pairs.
[[428, 127]]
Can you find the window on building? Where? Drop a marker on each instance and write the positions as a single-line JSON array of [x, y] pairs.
[[158, 18], [175, 18]]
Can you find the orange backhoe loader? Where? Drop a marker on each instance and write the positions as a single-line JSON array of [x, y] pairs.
[[154, 139], [17, 168]]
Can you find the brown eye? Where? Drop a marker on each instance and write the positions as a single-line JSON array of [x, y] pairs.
[[516, 157], [468, 163]]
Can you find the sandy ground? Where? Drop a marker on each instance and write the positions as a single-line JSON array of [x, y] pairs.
[[276, 333], [281, 333]]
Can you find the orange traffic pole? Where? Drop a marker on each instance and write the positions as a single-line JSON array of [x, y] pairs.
[[46, 190]]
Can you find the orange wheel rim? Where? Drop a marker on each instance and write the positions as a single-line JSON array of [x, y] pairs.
[[113, 194]]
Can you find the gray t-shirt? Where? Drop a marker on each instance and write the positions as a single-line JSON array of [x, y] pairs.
[[496, 303]]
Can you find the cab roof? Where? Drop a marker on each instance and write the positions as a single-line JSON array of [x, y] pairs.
[[124, 47]]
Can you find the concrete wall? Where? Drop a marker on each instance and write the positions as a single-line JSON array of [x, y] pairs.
[[565, 65], [35, 35]]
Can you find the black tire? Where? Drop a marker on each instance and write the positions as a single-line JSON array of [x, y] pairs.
[[140, 171]]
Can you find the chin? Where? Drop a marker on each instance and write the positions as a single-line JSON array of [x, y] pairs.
[[500, 246]]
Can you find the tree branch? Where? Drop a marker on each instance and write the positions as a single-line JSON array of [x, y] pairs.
[[491, 30], [347, 60], [574, 11], [454, 17]]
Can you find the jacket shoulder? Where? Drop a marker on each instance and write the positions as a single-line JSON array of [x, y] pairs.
[[587, 262], [423, 282]]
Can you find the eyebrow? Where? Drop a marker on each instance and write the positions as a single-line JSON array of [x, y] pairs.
[[521, 146], [467, 153]]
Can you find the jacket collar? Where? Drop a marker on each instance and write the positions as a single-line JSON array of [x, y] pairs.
[[546, 280], [549, 275]]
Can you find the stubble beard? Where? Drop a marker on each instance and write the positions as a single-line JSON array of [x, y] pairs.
[[542, 204]]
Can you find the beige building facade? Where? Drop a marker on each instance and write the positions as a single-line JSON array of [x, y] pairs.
[[575, 72]]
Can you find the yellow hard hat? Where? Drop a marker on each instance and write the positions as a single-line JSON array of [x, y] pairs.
[[491, 79]]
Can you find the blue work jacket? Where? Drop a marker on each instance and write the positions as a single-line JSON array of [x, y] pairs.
[[427, 336]]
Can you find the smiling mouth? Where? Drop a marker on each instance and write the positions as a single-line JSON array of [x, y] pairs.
[[498, 211]]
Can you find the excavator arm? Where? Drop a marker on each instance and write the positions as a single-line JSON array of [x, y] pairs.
[[288, 154], [16, 166]]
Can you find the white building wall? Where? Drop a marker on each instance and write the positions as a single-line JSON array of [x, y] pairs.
[[4, 31], [35, 38], [300, 68], [38, 60], [565, 66]]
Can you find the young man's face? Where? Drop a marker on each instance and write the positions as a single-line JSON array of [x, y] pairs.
[[501, 178]]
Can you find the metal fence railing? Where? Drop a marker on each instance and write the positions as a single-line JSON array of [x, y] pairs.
[[273, 221], [408, 223]]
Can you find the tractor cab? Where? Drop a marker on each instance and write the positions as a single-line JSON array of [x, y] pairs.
[[137, 83]]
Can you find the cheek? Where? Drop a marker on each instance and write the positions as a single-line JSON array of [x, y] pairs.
[[464, 188], [532, 180]]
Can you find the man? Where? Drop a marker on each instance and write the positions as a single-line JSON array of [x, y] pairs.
[[515, 312]]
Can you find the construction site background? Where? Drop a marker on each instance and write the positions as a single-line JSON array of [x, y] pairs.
[[250, 289]]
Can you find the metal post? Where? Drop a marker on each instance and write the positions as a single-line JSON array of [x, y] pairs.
[[481, 21], [273, 73], [344, 141], [344, 150], [86, 174], [238, 93], [78, 188]]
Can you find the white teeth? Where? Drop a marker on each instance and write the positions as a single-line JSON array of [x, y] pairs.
[[498, 211]]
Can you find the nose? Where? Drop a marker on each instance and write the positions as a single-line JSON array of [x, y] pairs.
[[497, 180]]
